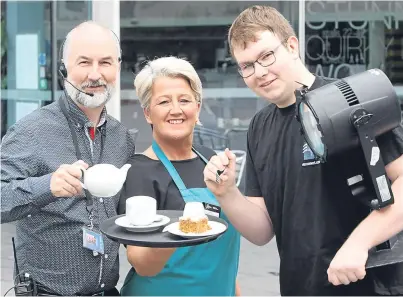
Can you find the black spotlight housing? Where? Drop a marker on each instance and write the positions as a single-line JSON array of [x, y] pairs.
[[348, 113]]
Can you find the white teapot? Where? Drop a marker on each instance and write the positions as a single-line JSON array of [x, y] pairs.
[[104, 180]]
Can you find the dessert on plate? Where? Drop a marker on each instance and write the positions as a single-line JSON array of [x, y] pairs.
[[194, 220]]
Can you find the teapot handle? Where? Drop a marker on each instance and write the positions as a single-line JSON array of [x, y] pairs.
[[82, 176]]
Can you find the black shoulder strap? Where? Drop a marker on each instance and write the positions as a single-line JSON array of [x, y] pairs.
[[200, 155], [71, 127]]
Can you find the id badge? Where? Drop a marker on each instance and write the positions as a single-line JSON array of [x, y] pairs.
[[93, 241], [211, 209]]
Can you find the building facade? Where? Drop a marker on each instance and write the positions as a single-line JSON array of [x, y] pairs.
[[340, 38]]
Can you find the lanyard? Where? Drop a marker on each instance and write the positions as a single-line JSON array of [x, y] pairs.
[[88, 196]]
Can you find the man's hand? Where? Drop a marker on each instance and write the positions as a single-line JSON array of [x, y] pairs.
[[226, 162], [65, 181], [348, 265]]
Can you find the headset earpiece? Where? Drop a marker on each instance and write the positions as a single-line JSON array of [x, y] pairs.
[[63, 70]]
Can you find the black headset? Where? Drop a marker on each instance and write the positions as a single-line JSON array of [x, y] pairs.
[[62, 66]]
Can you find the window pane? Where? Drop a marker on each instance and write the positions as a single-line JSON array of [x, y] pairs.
[[197, 31], [353, 36]]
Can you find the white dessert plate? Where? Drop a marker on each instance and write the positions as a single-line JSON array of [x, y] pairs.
[[159, 222], [216, 228]]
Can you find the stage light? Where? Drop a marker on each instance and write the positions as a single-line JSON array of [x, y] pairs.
[[348, 113]]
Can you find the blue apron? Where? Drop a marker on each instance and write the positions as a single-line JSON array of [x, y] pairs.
[[204, 270]]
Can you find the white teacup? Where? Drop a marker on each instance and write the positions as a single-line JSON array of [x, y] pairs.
[[141, 210]]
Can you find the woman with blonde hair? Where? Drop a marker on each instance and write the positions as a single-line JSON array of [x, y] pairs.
[[170, 92]]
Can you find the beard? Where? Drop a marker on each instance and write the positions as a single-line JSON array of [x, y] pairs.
[[99, 98]]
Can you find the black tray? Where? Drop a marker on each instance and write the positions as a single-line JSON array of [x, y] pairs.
[[387, 257], [156, 239]]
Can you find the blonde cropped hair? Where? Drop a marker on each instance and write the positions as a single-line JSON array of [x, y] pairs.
[[166, 67], [254, 20]]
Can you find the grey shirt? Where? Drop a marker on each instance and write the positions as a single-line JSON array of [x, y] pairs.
[[49, 238]]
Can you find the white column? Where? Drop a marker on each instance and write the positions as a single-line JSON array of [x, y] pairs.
[[301, 29], [107, 13]]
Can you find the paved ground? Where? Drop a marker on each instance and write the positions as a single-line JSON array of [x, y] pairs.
[[257, 273]]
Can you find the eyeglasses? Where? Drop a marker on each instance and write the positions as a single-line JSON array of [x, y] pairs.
[[265, 60]]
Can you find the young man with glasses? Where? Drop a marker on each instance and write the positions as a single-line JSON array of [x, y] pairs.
[[322, 232]]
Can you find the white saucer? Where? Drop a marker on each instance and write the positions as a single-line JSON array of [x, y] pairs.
[[159, 221], [216, 229]]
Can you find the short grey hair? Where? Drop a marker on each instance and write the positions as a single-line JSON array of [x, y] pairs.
[[67, 41], [166, 67]]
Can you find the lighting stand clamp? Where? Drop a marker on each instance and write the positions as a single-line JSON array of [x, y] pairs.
[[361, 119]]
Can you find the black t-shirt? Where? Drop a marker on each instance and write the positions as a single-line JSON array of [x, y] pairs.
[[150, 178], [310, 204]]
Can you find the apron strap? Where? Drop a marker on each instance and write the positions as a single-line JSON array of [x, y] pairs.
[[171, 169], [168, 165]]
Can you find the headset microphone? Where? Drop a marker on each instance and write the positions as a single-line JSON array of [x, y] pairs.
[[89, 94], [63, 73]]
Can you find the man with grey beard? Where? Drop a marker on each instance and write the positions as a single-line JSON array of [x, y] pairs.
[[41, 157], [94, 101]]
